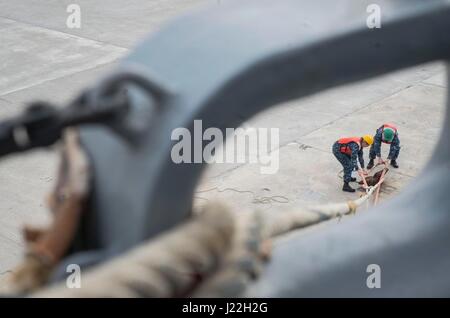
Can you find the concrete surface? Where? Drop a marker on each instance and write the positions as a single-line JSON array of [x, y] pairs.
[[308, 174], [40, 58]]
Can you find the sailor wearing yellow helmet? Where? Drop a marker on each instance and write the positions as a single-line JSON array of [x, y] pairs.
[[347, 150]]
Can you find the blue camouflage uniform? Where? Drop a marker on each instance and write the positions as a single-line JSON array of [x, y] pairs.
[[349, 162], [375, 149]]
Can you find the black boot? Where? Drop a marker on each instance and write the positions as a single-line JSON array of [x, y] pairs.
[[352, 179], [394, 163], [347, 188], [370, 165]]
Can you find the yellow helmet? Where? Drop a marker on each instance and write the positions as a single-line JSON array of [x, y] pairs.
[[368, 139]]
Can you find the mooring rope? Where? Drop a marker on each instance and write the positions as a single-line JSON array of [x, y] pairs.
[[216, 254]]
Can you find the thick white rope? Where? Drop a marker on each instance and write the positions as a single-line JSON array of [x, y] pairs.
[[223, 249]]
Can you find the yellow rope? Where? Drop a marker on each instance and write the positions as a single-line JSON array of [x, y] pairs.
[[256, 199]]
